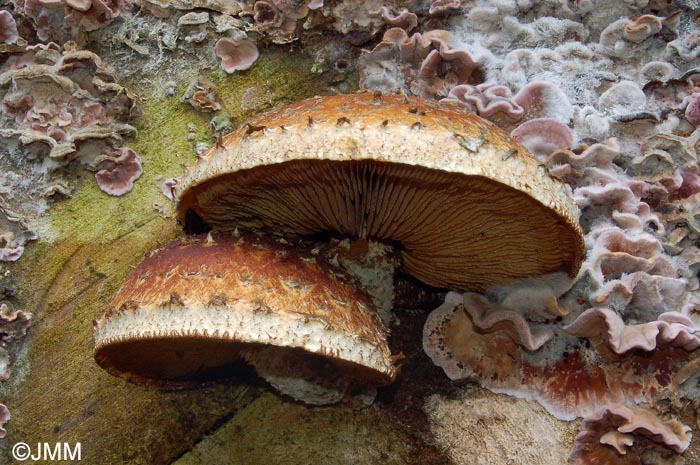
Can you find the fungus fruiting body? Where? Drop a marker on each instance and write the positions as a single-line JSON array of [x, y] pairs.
[[8, 34], [236, 55], [617, 434], [59, 108], [605, 94], [459, 197], [192, 309], [118, 179], [420, 64], [384, 183]]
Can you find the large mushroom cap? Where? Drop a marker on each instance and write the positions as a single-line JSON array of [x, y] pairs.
[[192, 309], [467, 205]]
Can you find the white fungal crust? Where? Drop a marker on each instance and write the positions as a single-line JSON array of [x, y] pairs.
[[433, 178], [194, 307]]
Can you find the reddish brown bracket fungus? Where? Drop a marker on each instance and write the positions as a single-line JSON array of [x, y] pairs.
[[192, 309], [467, 205], [500, 354]]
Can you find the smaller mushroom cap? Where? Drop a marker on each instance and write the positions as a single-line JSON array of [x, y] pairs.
[[195, 308]]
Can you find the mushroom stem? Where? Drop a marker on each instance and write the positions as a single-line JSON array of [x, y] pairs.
[[305, 377], [373, 264]]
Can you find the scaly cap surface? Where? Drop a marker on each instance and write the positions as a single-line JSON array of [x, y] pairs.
[[468, 205], [190, 309]]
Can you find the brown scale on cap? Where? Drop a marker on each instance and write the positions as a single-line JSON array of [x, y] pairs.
[[194, 308], [430, 178]]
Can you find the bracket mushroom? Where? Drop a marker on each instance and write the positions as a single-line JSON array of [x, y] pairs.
[[192, 309], [394, 182], [465, 204]]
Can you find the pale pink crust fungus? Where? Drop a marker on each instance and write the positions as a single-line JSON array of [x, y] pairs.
[[625, 435], [634, 297], [633, 273], [542, 136], [572, 165], [202, 96], [460, 66], [657, 71], [424, 175], [77, 101], [266, 14], [168, 188], [639, 29], [14, 234], [602, 190], [690, 184], [191, 310], [488, 100], [687, 47], [569, 385], [684, 213], [13, 323], [661, 165], [622, 99], [4, 418], [629, 272], [544, 99], [488, 319], [444, 7], [293, 9], [405, 19], [673, 94], [692, 109], [161, 8], [10, 249], [536, 100], [671, 329], [236, 55], [8, 28], [124, 167], [421, 64], [625, 36], [63, 20]]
